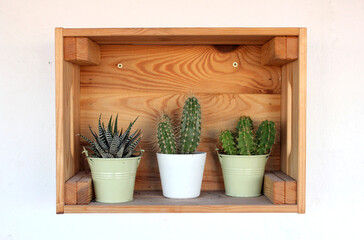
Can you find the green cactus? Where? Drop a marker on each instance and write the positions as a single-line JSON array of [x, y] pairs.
[[248, 143], [165, 135], [264, 137], [190, 130], [228, 144], [109, 143], [245, 139], [190, 126]]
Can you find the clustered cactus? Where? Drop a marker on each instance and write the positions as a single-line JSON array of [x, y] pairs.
[[166, 136], [190, 130], [245, 142], [110, 143]]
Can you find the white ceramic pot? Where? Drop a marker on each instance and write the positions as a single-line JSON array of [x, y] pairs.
[[181, 174]]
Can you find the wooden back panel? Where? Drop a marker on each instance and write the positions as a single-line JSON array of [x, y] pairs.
[[156, 78]]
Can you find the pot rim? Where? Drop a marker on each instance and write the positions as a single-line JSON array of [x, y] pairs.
[[181, 154], [228, 155], [114, 159]]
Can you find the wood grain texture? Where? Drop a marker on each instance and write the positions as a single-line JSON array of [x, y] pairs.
[[292, 48], [292, 160], [219, 112], [75, 122], [290, 187], [236, 36], [60, 121], [71, 115], [78, 189], [67, 119], [286, 116], [81, 51], [209, 201], [274, 188], [279, 51], [299, 121], [71, 193], [84, 189], [200, 68]]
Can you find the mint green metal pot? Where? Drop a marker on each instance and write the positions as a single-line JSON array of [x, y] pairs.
[[243, 175], [114, 178]]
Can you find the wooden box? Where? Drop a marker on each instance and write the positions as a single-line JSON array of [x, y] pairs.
[[259, 72]]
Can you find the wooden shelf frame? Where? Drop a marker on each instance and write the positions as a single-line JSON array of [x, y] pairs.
[[293, 107], [209, 201]]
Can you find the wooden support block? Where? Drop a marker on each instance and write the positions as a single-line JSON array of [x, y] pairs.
[[81, 51], [84, 189], [273, 188], [71, 188], [279, 51], [78, 189], [290, 188], [292, 48]]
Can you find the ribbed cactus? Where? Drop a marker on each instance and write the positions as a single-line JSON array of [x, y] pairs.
[[246, 144], [190, 130], [227, 141], [265, 137], [190, 126], [165, 135]]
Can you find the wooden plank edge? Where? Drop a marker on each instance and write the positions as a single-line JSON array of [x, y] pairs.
[[302, 61], [274, 188], [279, 51], [290, 187], [60, 208], [81, 51], [286, 208], [71, 188], [60, 181], [130, 32]]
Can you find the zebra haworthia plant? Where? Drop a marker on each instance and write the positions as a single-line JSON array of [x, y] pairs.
[[190, 130], [110, 143], [245, 141]]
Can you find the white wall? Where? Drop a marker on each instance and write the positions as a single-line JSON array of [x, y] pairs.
[[335, 164]]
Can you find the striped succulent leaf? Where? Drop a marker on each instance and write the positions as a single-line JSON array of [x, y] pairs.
[[102, 131], [110, 144], [114, 144], [116, 132], [125, 135], [120, 152], [133, 145]]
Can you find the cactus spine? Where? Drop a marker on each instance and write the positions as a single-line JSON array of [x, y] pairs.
[[265, 137], [227, 141], [190, 126], [246, 144], [165, 135]]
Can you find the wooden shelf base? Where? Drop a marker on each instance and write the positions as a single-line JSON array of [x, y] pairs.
[[209, 201]]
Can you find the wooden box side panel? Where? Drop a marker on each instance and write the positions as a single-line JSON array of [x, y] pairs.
[[234, 36], [289, 164], [299, 120], [156, 78], [293, 120], [67, 120]]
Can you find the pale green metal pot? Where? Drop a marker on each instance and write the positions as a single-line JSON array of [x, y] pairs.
[[243, 175], [114, 178]]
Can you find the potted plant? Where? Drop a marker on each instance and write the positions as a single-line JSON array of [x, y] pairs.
[[244, 156], [180, 166], [114, 161]]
